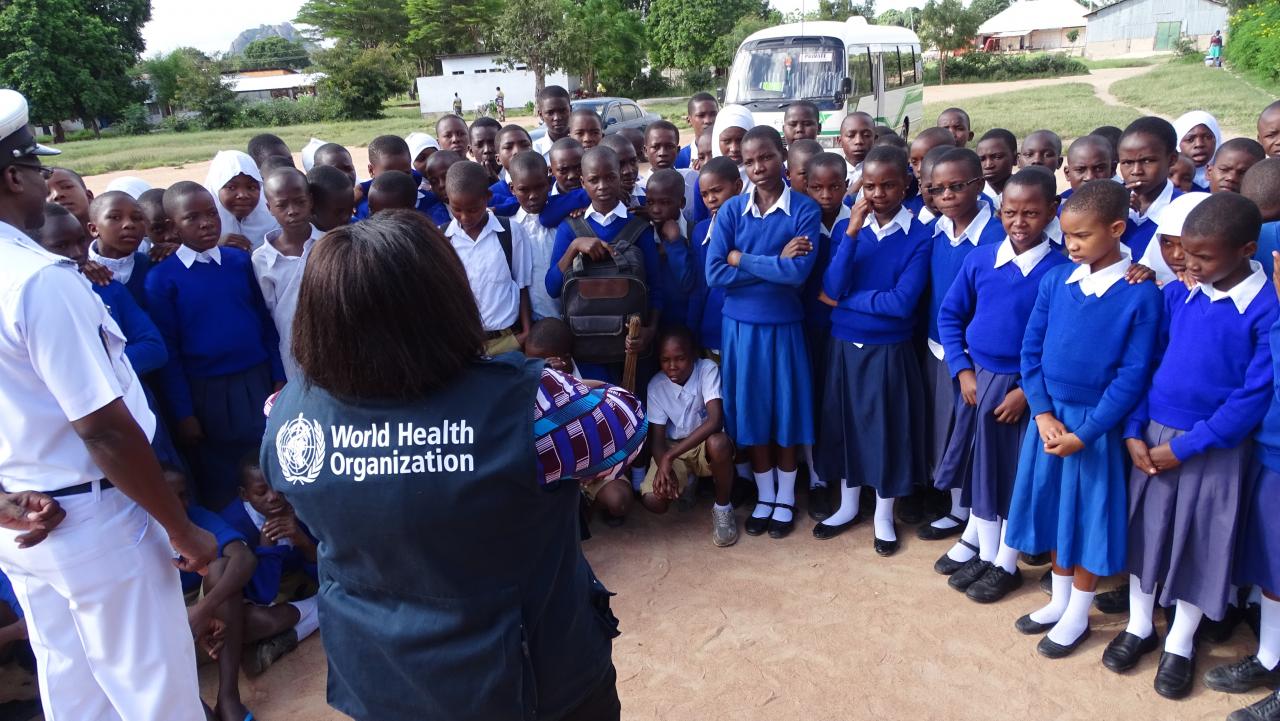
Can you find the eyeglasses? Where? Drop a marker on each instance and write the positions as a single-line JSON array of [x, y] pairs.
[[44, 172], [954, 187]]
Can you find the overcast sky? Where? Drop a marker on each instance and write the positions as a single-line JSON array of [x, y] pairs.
[[211, 26]]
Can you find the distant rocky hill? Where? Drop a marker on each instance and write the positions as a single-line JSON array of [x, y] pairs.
[[284, 30]]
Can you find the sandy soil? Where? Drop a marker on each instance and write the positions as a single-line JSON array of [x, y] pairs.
[[803, 629]]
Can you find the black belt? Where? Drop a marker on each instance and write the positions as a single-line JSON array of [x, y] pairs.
[[77, 490], [496, 334]]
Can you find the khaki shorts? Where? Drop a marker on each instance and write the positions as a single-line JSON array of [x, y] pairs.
[[504, 343], [593, 488], [694, 461]]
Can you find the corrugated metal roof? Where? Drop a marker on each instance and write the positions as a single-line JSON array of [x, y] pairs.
[[1028, 15], [249, 84], [1122, 2]]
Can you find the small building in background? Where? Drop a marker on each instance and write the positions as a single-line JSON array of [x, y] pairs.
[[1035, 25], [476, 77], [1136, 27], [254, 85]]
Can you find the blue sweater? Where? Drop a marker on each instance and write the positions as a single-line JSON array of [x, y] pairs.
[[1268, 240], [143, 344], [502, 202], [679, 264], [1090, 351], [1214, 380], [984, 315], [1062, 199], [945, 261], [1268, 437], [817, 315], [137, 284], [652, 267], [684, 158], [706, 304], [1138, 236], [559, 207], [764, 288], [213, 320], [877, 284]]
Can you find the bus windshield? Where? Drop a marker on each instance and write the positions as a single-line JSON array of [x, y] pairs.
[[770, 73]]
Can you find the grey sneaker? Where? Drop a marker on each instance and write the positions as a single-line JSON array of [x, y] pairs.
[[259, 657], [724, 527]]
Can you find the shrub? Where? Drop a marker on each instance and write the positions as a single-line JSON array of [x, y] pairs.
[[135, 120], [645, 85], [1254, 44], [359, 80], [983, 67], [284, 111], [1185, 47]]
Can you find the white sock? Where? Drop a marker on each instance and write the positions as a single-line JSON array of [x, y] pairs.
[[725, 507], [1269, 634], [884, 519], [637, 477], [765, 493], [1142, 606], [308, 617], [988, 538], [1255, 595], [1007, 556], [960, 552], [850, 498], [1182, 635], [743, 470], [1075, 619], [814, 480], [957, 510], [1052, 612], [786, 494], [1233, 595]]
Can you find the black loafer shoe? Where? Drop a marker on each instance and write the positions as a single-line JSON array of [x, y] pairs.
[[824, 532], [1242, 676], [819, 503], [756, 526], [1036, 559], [1028, 627], [946, 565], [887, 548], [1046, 582], [1050, 649], [1175, 675], [930, 532], [1126, 649], [1114, 601], [1268, 709], [782, 529], [1220, 631], [911, 509], [968, 574], [994, 585]]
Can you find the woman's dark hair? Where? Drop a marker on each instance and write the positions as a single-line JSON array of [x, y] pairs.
[[385, 310]]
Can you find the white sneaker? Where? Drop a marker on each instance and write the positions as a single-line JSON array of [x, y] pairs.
[[724, 527]]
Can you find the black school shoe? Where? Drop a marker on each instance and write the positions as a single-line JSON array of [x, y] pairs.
[[1113, 601], [1036, 559], [968, 574], [782, 529], [1220, 631], [910, 509], [929, 532], [1242, 676], [819, 503], [1029, 627], [1175, 675], [1268, 709], [1051, 649], [888, 548], [824, 532], [1126, 649], [946, 565], [994, 585], [756, 526], [1046, 582]]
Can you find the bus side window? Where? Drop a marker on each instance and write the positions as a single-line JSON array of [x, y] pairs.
[[892, 70], [860, 73], [908, 63]]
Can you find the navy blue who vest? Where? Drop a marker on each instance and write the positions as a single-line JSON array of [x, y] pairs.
[[452, 584]]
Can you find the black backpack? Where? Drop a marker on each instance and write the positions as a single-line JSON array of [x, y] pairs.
[[599, 296]]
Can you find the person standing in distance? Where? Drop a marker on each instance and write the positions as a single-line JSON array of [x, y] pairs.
[[103, 605]]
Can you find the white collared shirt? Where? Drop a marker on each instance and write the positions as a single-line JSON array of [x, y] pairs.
[[925, 215], [619, 212], [190, 257], [972, 232], [988, 190], [121, 268], [783, 203], [844, 214], [541, 240], [61, 358], [496, 286], [853, 172], [637, 194], [1157, 205], [1241, 294], [683, 408], [280, 278], [543, 145], [901, 221], [1054, 231], [1026, 261], [1096, 284]]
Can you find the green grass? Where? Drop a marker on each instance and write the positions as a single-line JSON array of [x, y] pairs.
[[1071, 110], [1124, 62], [1175, 88]]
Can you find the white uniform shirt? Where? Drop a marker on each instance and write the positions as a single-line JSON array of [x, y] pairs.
[[543, 145], [280, 277], [495, 285], [121, 268], [690, 180], [683, 408], [1096, 284], [61, 358], [541, 241]]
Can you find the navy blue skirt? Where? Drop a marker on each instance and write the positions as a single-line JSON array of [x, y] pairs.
[[764, 376], [873, 417], [1258, 542], [230, 411], [940, 398], [981, 455]]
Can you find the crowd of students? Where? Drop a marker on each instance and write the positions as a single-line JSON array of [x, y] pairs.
[[1085, 377]]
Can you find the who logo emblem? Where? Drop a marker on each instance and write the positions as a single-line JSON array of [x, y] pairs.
[[300, 450]]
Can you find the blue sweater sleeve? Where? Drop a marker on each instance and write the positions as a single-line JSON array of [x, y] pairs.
[[789, 271], [144, 345], [555, 277], [558, 207], [954, 316], [162, 301], [839, 277], [1033, 349], [652, 267], [723, 239], [680, 259], [1136, 426], [903, 299], [1244, 408], [1134, 373]]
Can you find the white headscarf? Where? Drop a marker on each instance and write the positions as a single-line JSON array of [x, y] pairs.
[[309, 153], [135, 187], [226, 165], [1169, 222], [730, 116], [419, 142], [1184, 125]]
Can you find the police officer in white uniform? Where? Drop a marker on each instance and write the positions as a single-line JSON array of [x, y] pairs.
[[101, 596]]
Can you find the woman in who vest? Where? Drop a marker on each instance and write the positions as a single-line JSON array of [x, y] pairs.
[[442, 488]]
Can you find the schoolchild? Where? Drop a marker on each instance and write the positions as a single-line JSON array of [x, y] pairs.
[[998, 152], [1147, 148], [633, 194], [265, 145], [732, 124], [1068, 496], [1269, 129], [1199, 137], [421, 147], [801, 121], [1043, 148], [236, 186], [553, 110], [393, 190], [701, 114], [1183, 174], [857, 134], [452, 134], [703, 150], [278, 264], [1164, 254], [531, 186], [435, 204], [1262, 185], [1089, 157], [718, 181], [117, 225], [664, 204], [565, 161], [67, 188], [483, 138], [799, 154], [386, 153], [332, 199], [336, 156], [925, 144], [586, 127], [511, 141], [1231, 162], [957, 122]]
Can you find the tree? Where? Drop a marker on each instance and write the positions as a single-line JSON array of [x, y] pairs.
[[364, 23], [203, 91], [902, 18], [444, 27], [168, 73], [533, 33], [691, 34], [360, 80], [842, 10], [745, 26], [72, 59], [987, 9], [612, 40], [274, 52], [948, 26]]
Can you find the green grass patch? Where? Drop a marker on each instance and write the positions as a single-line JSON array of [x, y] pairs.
[[1175, 88], [1124, 62], [1070, 110]]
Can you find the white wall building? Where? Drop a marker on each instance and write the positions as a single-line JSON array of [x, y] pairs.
[[1035, 25], [476, 78]]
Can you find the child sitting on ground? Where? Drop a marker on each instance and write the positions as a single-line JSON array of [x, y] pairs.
[[686, 430], [236, 185], [279, 263], [551, 340], [332, 202]]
